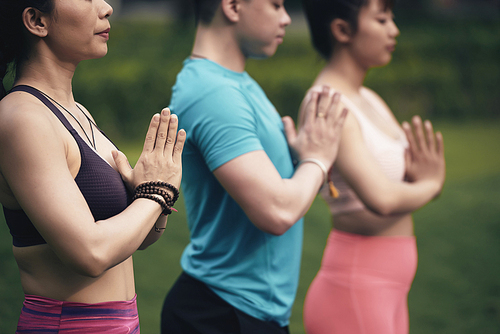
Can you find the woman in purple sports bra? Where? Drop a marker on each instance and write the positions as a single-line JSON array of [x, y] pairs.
[[383, 173], [75, 208]]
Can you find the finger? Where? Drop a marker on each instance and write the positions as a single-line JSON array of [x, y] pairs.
[[408, 158], [419, 133], [163, 129], [324, 102], [339, 121], [122, 164], [179, 146], [290, 131], [332, 116], [171, 136], [149, 142], [311, 109], [439, 143], [412, 145], [305, 103], [431, 143]]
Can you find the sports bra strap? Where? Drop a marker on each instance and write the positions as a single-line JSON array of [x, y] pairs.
[[36, 93]]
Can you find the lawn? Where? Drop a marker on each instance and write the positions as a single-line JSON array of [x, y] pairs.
[[456, 289]]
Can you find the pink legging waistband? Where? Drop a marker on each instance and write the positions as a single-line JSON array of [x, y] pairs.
[[362, 285], [351, 256], [46, 315]]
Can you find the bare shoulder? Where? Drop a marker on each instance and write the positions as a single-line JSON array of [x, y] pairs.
[[22, 114], [381, 101], [370, 92], [27, 126]]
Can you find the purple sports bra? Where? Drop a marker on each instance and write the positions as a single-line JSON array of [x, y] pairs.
[[100, 184]]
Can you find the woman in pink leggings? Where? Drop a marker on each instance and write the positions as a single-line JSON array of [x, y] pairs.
[[382, 174]]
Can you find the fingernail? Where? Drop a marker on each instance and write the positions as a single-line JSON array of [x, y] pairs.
[[173, 118], [166, 112]]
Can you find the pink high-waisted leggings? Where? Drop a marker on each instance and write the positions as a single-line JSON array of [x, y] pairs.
[[362, 286]]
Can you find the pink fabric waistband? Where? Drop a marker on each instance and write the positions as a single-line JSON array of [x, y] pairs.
[[46, 315], [370, 259]]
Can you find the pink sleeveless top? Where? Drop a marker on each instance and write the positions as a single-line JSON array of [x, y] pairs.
[[387, 151]]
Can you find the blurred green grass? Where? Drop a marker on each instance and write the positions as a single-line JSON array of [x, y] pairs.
[[456, 289], [449, 73]]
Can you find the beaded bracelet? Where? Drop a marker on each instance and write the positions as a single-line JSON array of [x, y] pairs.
[[158, 191], [154, 185], [165, 208]]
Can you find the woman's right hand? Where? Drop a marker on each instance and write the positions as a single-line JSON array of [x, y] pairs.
[[160, 159], [425, 154]]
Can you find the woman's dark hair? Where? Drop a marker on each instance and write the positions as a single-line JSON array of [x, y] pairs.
[[13, 43], [321, 13]]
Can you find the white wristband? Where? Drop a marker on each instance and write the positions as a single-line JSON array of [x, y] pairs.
[[319, 164]]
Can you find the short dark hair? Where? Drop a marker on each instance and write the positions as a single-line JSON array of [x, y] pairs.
[[321, 13], [13, 41], [204, 10]]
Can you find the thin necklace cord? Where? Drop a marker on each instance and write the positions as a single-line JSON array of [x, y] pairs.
[[88, 119]]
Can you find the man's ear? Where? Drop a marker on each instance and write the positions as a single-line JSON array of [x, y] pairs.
[[231, 9], [35, 21], [341, 30]]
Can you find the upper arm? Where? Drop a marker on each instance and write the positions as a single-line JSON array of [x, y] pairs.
[[360, 169], [226, 134], [33, 161], [222, 126], [252, 181]]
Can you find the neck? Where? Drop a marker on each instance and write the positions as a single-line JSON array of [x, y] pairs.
[[344, 73], [217, 43], [49, 75]]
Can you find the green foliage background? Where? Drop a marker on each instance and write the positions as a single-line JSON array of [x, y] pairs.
[[447, 71], [440, 70]]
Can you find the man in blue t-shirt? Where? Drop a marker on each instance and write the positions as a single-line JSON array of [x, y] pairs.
[[244, 196]]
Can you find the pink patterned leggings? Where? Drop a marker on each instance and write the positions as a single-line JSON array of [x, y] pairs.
[[46, 315]]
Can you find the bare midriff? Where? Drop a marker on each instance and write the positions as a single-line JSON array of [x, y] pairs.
[[365, 222], [44, 274]]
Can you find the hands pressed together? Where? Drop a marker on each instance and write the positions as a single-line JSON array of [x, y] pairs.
[[425, 155], [320, 124], [160, 159]]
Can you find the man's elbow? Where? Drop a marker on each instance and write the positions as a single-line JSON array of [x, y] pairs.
[[276, 224]]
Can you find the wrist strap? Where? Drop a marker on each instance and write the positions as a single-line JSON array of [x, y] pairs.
[[319, 164]]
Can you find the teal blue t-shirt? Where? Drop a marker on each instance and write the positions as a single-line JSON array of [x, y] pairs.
[[227, 114]]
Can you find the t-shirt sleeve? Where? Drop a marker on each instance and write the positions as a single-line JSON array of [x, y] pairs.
[[226, 127]]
